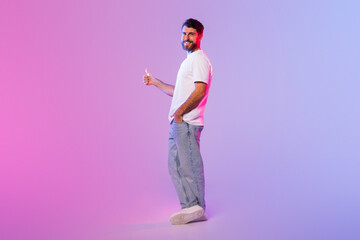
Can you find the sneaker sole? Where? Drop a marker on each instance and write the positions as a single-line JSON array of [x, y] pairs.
[[183, 218]]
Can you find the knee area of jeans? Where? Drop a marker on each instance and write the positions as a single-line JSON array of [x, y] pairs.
[[172, 168], [189, 179]]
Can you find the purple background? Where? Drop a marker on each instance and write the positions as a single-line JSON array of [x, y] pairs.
[[83, 143]]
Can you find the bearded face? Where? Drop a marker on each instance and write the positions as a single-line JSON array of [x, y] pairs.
[[190, 39]]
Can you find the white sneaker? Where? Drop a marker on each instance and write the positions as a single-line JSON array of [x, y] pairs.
[[187, 215], [204, 217]]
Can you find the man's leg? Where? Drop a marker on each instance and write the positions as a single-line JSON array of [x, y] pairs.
[[189, 162], [183, 190]]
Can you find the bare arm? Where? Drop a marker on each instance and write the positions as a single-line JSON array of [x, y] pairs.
[[192, 102], [164, 87]]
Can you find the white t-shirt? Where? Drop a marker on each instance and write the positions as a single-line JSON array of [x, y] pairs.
[[195, 68]]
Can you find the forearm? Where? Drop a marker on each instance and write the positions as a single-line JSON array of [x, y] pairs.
[[191, 103], [164, 87]]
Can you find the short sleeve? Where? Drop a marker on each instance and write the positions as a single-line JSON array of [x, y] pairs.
[[202, 70]]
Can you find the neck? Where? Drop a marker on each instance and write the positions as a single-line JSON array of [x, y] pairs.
[[196, 49]]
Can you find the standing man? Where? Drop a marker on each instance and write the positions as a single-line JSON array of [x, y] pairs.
[[190, 95]]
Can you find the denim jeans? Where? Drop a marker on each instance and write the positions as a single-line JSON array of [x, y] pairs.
[[185, 164]]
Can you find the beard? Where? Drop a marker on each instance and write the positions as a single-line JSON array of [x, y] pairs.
[[190, 47]]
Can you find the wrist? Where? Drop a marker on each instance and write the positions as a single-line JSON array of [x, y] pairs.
[[155, 82], [179, 112]]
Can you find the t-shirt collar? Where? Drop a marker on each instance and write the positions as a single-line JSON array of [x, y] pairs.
[[193, 53]]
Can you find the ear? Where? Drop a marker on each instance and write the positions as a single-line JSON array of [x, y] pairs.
[[200, 37]]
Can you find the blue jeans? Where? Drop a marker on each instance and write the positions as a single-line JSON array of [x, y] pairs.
[[186, 165]]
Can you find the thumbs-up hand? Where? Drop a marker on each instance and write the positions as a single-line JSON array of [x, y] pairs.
[[148, 78]]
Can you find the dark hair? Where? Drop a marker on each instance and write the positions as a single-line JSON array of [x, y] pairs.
[[193, 23]]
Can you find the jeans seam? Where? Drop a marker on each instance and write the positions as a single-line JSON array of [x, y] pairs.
[[191, 134]]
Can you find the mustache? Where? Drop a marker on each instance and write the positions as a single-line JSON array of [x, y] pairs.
[[187, 41]]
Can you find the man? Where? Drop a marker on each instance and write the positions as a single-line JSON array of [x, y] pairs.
[[190, 95]]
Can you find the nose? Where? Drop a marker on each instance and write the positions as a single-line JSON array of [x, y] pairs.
[[186, 37]]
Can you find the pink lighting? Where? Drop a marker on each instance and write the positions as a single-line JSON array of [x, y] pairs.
[[83, 143]]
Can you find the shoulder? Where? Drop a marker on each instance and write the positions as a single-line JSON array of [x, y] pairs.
[[201, 57]]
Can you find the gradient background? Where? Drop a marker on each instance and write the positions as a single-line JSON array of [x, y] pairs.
[[83, 143]]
